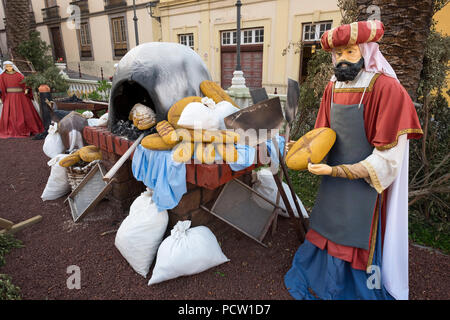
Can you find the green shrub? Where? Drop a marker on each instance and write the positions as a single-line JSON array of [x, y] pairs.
[[8, 291]]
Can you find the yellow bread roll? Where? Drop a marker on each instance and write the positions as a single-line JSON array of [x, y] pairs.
[[175, 111], [70, 160], [312, 147], [205, 153], [90, 153], [207, 136], [227, 151], [155, 142], [214, 91], [189, 135], [167, 132], [183, 152]]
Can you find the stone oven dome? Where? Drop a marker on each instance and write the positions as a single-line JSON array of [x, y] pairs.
[[156, 74]]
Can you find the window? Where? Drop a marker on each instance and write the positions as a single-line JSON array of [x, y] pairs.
[[187, 40], [119, 36], [50, 3], [248, 36], [84, 38], [314, 31]]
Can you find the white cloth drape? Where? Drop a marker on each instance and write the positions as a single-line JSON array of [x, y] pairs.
[[395, 249]]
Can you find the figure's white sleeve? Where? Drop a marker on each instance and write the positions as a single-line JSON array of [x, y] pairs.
[[384, 166]]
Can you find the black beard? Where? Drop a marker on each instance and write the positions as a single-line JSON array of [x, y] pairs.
[[347, 71]]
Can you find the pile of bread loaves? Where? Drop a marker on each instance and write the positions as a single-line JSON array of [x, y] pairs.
[[81, 156], [195, 125]]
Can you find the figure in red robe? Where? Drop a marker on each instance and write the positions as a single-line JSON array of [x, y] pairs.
[[357, 244], [19, 117]]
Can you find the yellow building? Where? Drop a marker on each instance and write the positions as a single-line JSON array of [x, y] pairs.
[[442, 18], [104, 31]]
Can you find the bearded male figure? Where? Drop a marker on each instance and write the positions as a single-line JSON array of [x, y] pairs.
[[357, 245]]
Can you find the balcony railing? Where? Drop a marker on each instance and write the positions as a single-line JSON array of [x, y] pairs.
[[51, 13], [113, 4], [83, 4]]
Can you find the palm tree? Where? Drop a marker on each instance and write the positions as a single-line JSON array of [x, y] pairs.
[[407, 26], [19, 23]]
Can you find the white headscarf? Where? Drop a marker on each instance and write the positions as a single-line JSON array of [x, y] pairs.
[[14, 66]]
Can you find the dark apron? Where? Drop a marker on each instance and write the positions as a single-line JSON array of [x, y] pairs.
[[344, 208]]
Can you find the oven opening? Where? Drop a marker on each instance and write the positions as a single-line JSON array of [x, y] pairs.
[[126, 96]]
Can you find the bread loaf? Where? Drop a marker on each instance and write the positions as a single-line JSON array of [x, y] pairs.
[[142, 116], [70, 160], [205, 153], [167, 132], [175, 111], [183, 152], [312, 147], [214, 91], [90, 153], [155, 142]]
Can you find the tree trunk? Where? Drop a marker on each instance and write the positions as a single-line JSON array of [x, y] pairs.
[[19, 23], [407, 25]]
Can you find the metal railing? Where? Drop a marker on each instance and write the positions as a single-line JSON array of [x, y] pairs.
[[83, 4], [112, 4], [51, 13], [80, 87]]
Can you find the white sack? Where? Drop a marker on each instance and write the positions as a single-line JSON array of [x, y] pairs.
[[224, 109], [101, 122], [75, 140], [57, 184], [53, 144], [141, 232], [266, 186], [197, 115], [88, 114], [186, 252]]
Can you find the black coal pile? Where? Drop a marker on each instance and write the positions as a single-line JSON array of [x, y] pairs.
[[127, 129]]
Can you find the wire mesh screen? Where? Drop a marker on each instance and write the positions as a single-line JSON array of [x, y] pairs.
[[236, 207]]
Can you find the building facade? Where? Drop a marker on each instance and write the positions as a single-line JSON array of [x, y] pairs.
[[96, 39]]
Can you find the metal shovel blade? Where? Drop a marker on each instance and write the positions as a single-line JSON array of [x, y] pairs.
[[293, 94], [259, 95], [259, 122]]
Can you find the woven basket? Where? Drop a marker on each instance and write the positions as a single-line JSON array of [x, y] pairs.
[[76, 174]]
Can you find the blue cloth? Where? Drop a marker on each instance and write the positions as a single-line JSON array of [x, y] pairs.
[[159, 172], [333, 279], [246, 157], [272, 148], [167, 178]]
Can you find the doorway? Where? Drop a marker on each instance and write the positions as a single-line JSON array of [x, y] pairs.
[[57, 44]]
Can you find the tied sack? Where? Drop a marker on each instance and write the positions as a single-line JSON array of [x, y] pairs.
[[198, 115], [101, 122], [186, 251], [53, 144], [266, 186], [141, 233], [58, 184]]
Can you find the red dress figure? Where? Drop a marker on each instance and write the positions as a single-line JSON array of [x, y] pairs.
[[19, 117]]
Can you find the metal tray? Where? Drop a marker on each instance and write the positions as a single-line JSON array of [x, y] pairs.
[[88, 193]]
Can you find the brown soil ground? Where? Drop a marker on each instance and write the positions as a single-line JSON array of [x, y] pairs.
[[40, 268]]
